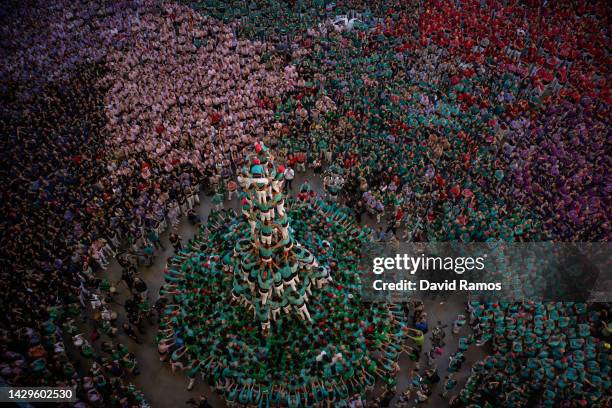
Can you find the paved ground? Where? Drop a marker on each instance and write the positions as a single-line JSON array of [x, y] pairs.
[[163, 388]]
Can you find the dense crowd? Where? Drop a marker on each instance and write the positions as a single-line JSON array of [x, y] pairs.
[[464, 120], [188, 93], [56, 212], [82, 179], [339, 354], [449, 122], [550, 354]]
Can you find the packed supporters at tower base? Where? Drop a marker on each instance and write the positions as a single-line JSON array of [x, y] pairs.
[[143, 144]]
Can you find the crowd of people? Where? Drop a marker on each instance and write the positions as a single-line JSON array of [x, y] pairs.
[[188, 92], [82, 181], [486, 123], [55, 211], [450, 120], [550, 354], [340, 353]]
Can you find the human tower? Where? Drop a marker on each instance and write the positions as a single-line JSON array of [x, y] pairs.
[[273, 273]]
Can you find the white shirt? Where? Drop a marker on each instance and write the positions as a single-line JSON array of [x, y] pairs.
[[289, 174]]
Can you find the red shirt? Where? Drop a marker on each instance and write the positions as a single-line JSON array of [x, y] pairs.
[[399, 215]]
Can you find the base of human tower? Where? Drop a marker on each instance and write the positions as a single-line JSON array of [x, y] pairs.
[[339, 347]]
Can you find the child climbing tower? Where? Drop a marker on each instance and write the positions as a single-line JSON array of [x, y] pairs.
[[273, 274]]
